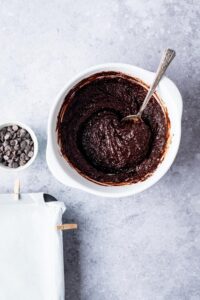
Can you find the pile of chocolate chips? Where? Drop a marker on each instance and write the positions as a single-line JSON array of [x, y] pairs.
[[16, 146]]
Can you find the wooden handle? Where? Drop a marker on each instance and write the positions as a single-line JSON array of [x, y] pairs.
[[17, 189], [67, 226]]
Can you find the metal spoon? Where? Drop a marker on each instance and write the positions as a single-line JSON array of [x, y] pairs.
[[166, 59]]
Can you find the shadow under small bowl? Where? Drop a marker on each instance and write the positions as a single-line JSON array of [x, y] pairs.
[[35, 144]]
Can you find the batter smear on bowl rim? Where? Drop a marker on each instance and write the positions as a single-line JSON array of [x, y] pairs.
[[94, 140]]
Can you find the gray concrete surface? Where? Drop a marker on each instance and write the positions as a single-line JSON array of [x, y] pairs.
[[145, 247]]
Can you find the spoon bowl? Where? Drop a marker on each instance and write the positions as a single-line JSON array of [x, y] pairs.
[[134, 118]]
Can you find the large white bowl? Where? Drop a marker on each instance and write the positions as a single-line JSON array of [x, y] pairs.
[[59, 167]]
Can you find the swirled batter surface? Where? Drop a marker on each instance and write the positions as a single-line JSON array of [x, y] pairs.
[[97, 144]]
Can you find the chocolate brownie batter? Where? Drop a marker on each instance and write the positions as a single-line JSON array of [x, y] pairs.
[[95, 141]]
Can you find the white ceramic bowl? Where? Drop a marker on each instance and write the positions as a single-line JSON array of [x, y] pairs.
[[33, 136], [60, 168]]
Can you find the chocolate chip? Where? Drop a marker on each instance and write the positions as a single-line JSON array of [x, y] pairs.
[[13, 154], [1, 137], [9, 128], [15, 165], [28, 142], [7, 148], [8, 153], [22, 162], [22, 156], [28, 136], [3, 130], [16, 147], [22, 132], [23, 145], [28, 148], [30, 154], [15, 127], [12, 142], [7, 136]]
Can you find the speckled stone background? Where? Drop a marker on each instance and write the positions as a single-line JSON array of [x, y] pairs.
[[145, 247]]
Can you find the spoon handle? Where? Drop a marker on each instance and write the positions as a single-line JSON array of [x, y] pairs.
[[166, 59]]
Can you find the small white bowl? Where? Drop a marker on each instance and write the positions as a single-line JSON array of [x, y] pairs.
[[60, 168], [35, 142]]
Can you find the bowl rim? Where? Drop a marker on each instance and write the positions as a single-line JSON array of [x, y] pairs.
[[35, 142], [52, 162]]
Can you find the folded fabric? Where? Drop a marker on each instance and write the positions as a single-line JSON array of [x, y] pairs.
[[31, 248]]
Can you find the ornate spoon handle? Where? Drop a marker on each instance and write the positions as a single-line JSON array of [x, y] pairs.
[[166, 59]]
